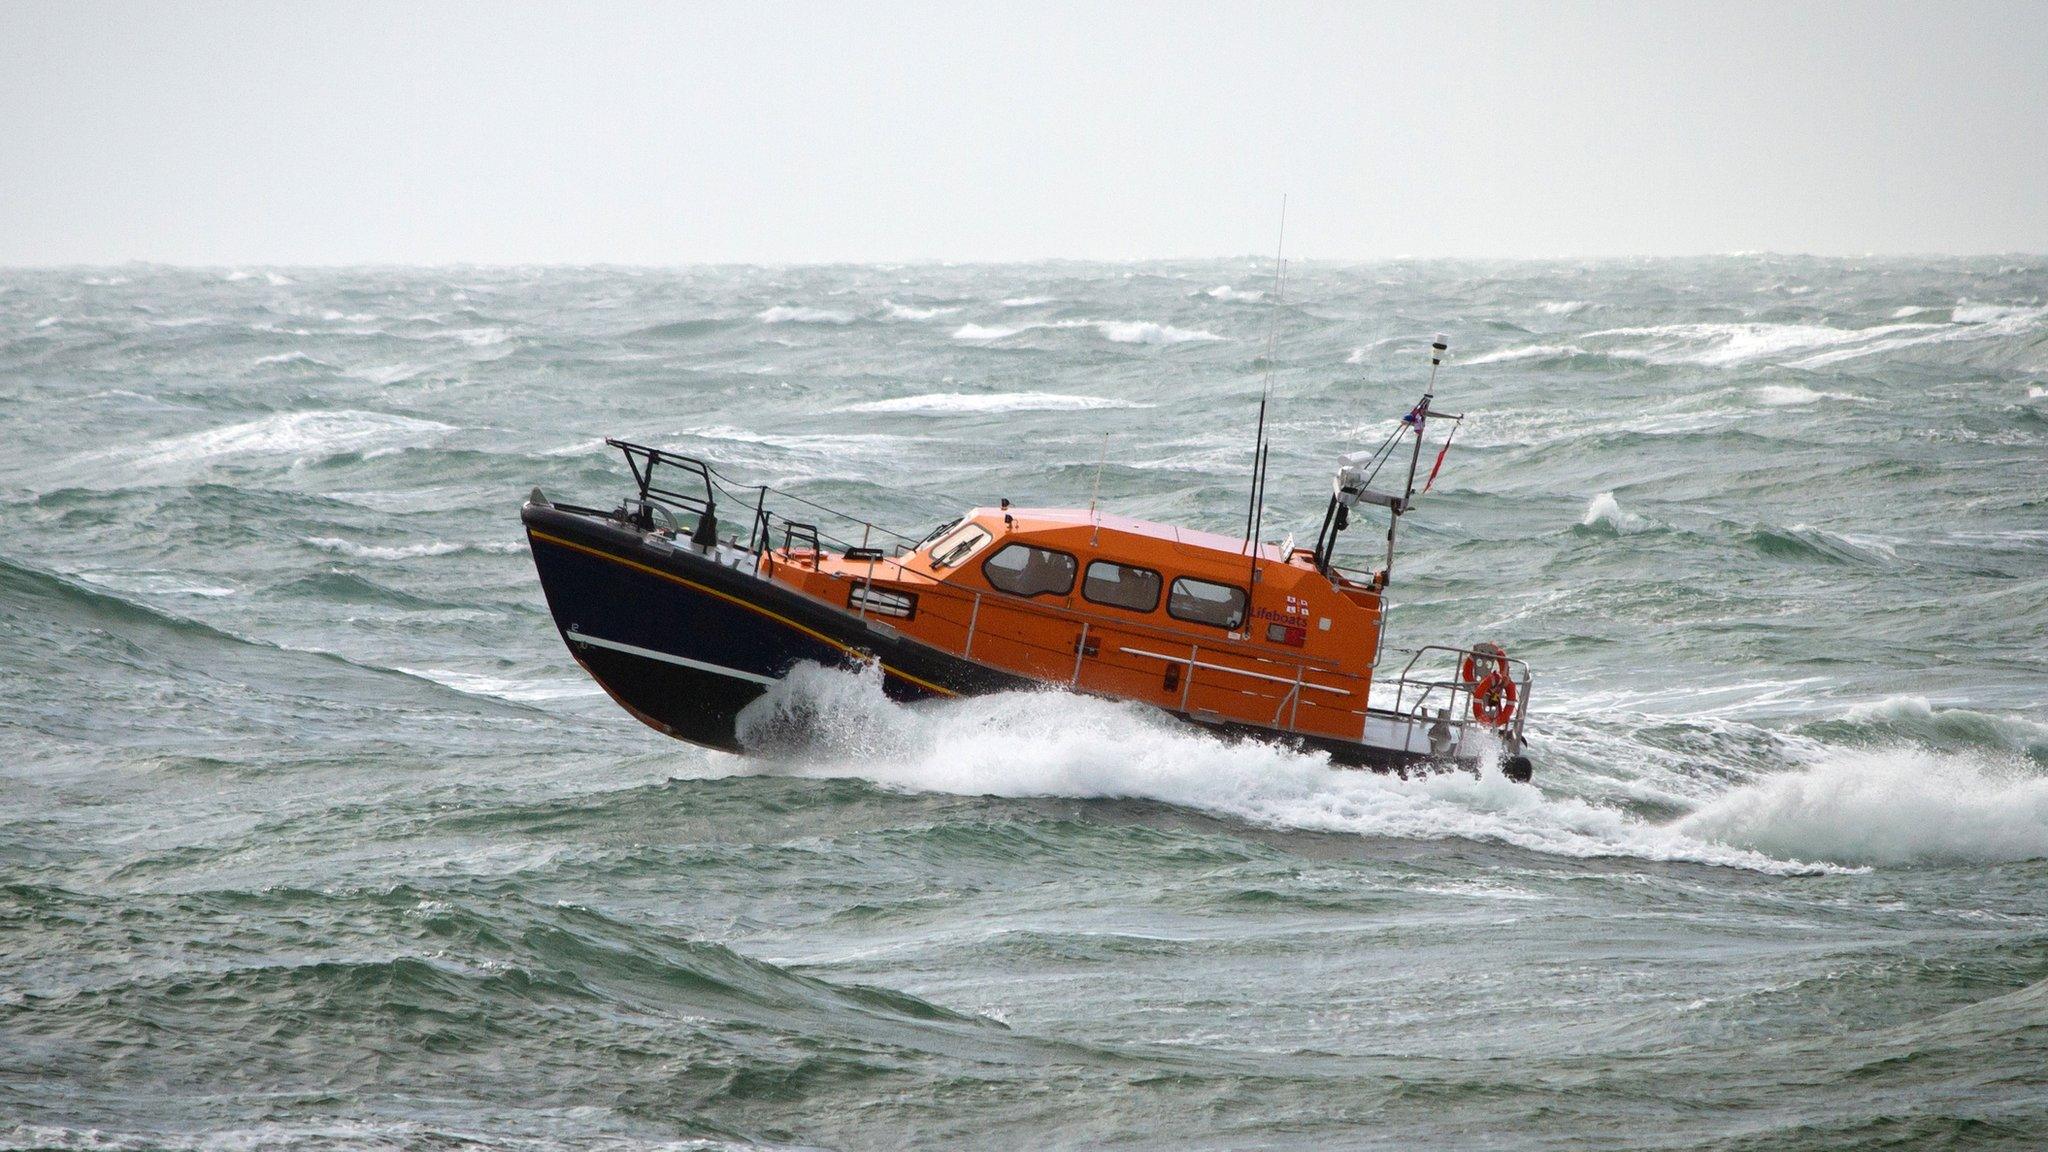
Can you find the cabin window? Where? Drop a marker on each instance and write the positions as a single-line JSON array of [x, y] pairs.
[[1022, 570], [882, 601], [1121, 586], [959, 546], [1200, 602]]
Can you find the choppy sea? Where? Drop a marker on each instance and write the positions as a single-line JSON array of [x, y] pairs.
[[313, 836]]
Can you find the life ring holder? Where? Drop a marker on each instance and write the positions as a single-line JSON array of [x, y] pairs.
[[1494, 694]]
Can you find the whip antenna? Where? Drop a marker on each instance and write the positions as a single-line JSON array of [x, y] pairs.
[[1255, 513]]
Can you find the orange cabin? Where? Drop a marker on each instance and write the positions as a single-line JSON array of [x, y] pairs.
[[1187, 621]]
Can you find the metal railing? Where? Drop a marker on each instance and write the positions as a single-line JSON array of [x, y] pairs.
[[1446, 699]]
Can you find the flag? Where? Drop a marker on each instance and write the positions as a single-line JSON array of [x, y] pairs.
[[1440, 454], [1414, 418]]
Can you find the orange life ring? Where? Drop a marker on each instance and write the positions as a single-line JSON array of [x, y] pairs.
[[1469, 670], [1494, 699]]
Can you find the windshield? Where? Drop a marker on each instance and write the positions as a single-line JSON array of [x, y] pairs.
[[958, 546]]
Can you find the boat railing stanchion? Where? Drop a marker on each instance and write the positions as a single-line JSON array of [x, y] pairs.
[[867, 589]]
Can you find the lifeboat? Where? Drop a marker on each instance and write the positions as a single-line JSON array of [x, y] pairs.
[[685, 619]]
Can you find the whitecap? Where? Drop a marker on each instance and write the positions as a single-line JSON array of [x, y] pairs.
[[1721, 344], [1116, 331], [1024, 301], [1967, 313], [1605, 512], [1562, 307], [942, 403], [1791, 395], [155, 583], [474, 337], [357, 551], [1890, 806], [1226, 292], [1147, 332], [293, 433], [907, 312], [1526, 352], [283, 358], [796, 315], [984, 332], [504, 688]]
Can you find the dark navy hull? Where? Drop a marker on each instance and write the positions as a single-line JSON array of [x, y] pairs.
[[685, 643]]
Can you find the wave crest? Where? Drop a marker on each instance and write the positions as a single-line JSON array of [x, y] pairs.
[[1895, 806]]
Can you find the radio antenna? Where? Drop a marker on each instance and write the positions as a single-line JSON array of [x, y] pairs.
[[1255, 512], [1095, 537]]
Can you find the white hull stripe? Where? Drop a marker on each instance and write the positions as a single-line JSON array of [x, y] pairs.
[[667, 658]]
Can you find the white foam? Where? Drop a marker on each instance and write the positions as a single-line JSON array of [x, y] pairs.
[[831, 724], [276, 281], [294, 433], [1912, 310], [2036, 392], [1790, 395], [984, 332], [1147, 332], [1562, 307], [343, 547], [1891, 806], [1604, 511], [1720, 344], [238, 275], [292, 358], [1226, 292], [49, 321], [155, 583], [1025, 301], [1118, 331], [906, 312], [823, 444], [1967, 313], [522, 691], [782, 314], [940, 403], [1528, 352], [474, 337]]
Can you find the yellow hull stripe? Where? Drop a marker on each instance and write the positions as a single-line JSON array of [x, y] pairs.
[[754, 608]]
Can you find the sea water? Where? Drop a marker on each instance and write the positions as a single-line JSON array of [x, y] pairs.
[[312, 835]]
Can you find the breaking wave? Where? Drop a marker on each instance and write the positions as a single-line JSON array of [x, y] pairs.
[[1605, 514], [826, 723], [1892, 806]]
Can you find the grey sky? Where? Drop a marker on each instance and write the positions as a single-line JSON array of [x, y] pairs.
[[665, 133]]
